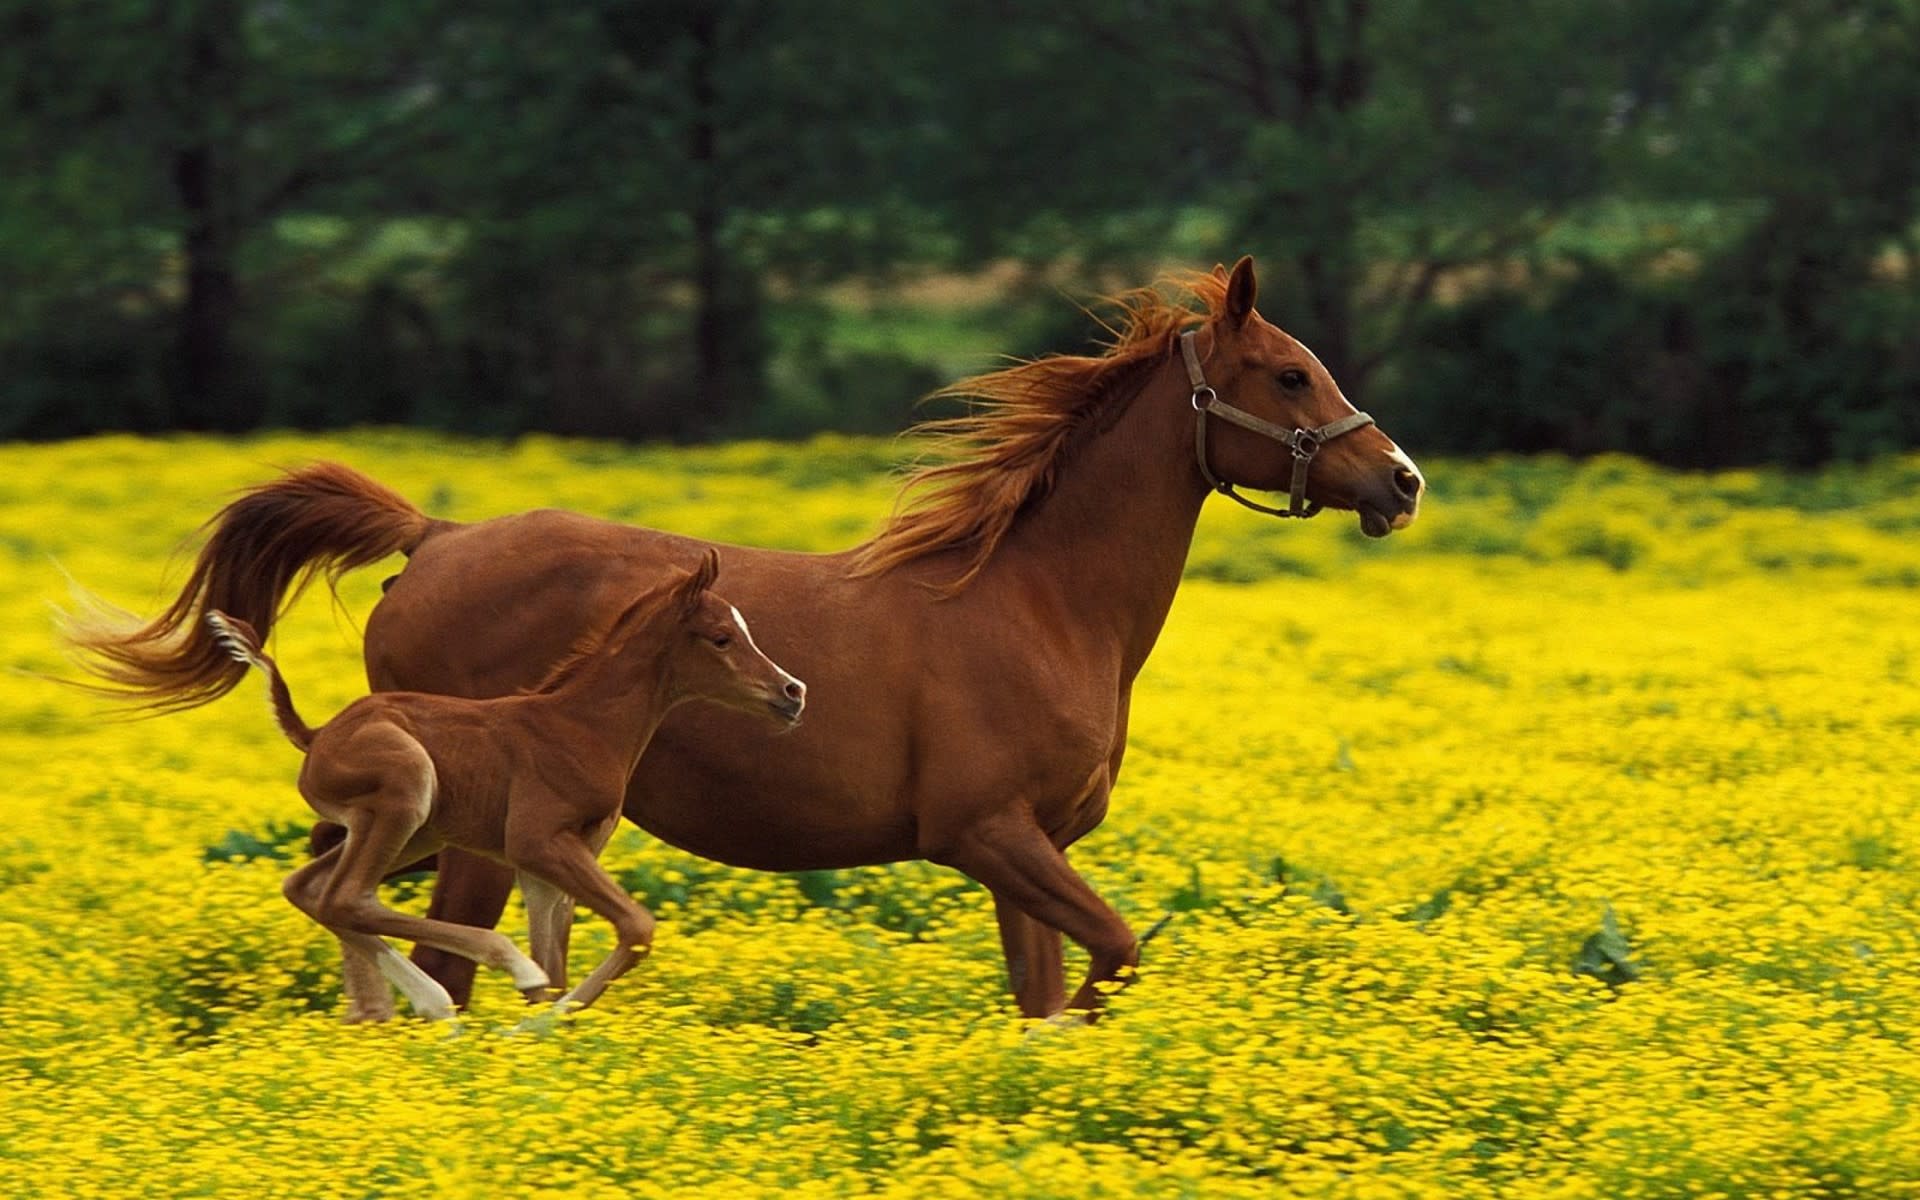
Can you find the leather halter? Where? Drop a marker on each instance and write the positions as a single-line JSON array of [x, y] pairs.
[[1305, 443]]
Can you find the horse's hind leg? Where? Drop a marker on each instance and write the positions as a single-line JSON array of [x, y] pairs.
[[1018, 863]]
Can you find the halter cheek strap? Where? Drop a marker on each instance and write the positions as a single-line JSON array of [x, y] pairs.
[[1305, 443]]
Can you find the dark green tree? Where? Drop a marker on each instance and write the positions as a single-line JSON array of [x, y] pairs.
[[1372, 155], [201, 122]]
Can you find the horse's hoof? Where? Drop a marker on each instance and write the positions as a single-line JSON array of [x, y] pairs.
[[1071, 1018]]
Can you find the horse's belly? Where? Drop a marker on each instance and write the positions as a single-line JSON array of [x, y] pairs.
[[781, 832], [740, 836], [714, 785]]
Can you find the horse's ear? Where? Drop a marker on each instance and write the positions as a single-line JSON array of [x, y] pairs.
[[687, 593], [1241, 290], [1220, 272]]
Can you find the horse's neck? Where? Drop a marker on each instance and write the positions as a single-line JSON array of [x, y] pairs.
[[1113, 534]]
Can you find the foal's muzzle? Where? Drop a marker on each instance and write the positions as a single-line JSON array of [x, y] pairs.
[[791, 702]]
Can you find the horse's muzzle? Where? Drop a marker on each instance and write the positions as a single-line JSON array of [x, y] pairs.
[[1393, 506]]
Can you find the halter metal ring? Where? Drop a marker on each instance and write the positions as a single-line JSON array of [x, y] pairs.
[[1305, 443], [1206, 390]]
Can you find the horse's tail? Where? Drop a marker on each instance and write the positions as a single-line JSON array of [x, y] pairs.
[[238, 639], [266, 546]]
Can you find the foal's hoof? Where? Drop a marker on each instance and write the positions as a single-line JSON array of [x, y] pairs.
[[543, 1022], [527, 975]]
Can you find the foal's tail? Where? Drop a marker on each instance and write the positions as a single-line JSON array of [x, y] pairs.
[[238, 640], [266, 546]]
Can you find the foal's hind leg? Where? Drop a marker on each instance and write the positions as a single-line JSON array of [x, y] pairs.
[[385, 826], [367, 964], [568, 863], [1034, 962], [369, 999], [377, 837], [362, 976]]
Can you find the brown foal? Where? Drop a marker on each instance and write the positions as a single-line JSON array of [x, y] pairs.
[[535, 781]]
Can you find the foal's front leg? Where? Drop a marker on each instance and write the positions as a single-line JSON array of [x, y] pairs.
[[549, 924], [568, 863]]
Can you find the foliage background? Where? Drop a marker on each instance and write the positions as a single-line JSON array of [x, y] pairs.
[[1680, 228], [1562, 845]]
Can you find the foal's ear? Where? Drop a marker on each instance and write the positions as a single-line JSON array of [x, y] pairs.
[[686, 596], [1241, 290]]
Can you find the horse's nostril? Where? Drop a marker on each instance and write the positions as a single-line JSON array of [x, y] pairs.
[[796, 690], [1406, 483]]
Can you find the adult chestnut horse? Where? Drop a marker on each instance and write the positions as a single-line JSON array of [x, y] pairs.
[[969, 667]]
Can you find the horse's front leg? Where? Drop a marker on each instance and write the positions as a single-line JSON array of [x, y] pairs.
[[1023, 868], [1034, 962], [1034, 968]]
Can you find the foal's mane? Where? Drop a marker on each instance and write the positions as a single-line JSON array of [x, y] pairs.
[[591, 643], [681, 595], [1005, 453]]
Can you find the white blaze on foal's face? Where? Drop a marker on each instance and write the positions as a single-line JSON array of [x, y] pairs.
[[777, 688]]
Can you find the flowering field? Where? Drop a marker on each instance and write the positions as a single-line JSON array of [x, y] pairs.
[[1563, 845]]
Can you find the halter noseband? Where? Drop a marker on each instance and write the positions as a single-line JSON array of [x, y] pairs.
[[1305, 443]]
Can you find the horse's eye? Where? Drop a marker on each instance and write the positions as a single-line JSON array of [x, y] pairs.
[[1293, 379], [722, 640]]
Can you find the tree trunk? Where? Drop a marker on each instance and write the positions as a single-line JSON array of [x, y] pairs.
[[211, 394], [711, 402], [1330, 300]]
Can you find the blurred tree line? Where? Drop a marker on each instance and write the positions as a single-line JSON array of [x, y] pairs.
[[1685, 228]]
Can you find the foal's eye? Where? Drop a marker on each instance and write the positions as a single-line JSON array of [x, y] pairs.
[[721, 641], [1293, 379]]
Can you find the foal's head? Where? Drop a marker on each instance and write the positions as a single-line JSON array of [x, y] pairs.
[[700, 645]]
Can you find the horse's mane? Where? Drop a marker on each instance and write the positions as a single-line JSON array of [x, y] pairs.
[[1004, 454]]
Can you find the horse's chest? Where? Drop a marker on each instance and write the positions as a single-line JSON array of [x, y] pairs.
[[1069, 815]]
